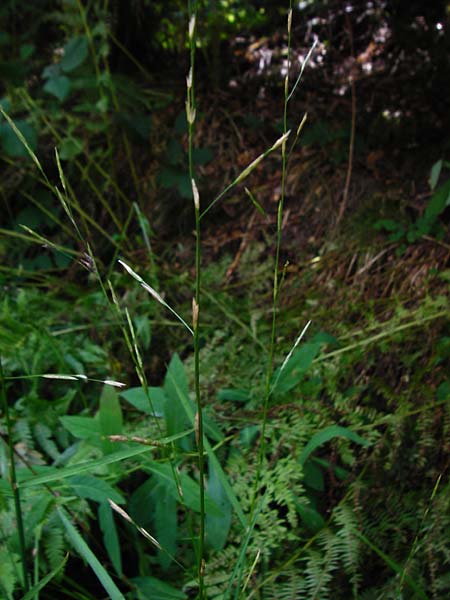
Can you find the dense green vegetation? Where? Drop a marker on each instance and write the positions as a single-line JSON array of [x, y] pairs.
[[224, 335]]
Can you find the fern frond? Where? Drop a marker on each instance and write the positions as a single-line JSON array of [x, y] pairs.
[[53, 542], [43, 436], [9, 572], [349, 545], [321, 566], [290, 585]]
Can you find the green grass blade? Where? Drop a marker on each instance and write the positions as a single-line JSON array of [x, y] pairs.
[[85, 552], [93, 464], [212, 457], [393, 565], [32, 593], [24, 142], [240, 563]]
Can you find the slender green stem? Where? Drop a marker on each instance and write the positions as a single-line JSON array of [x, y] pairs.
[[190, 113], [13, 480], [276, 276]]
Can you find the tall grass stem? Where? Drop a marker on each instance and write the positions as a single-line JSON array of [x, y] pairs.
[[190, 114], [276, 272]]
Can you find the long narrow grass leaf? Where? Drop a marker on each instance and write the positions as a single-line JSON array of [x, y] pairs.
[[58, 474], [32, 593], [148, 288], [85, 552], [24, 142], [304, 63], [392, 564]]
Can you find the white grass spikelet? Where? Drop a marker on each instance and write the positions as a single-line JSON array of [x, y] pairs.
[[297, 341], [192, 26], [130, 271], [195, 194], [120, 511], [57, 376], [113, 383], [189, 79], [280, 140]]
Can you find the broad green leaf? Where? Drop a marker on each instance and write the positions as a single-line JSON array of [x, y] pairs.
[[443, 391], [438, 202], [110, 417], [75, 53], [140, 124], [202, 156], [32, 594], [327, 434], [190, 412], [26, 51], [248, 434], [175, 384], [311, 519], [70, 148], [5, 102], [322, 337], [41, 507], [434, 174], [11, 143], [233, 395], [140, 506], [85, 552], [189, 487], [81, 427], [59, 86], [150, 588], [154, 507], [92, 488], [211, 429], [110, 537], [184, 186], [387, 225], [217, 528], [164, 521], [293, 372], [181, 124], [340, 473], [138, 398], [313, 476]]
